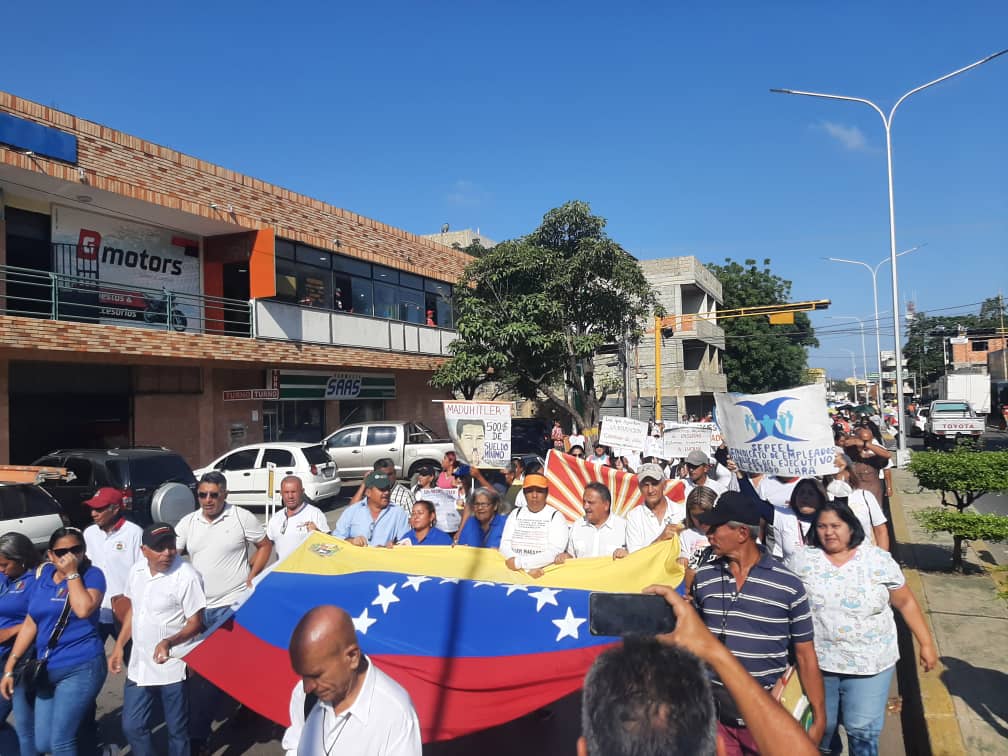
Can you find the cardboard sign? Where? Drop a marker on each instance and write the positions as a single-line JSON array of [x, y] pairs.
[[623, 433], [481, 432]]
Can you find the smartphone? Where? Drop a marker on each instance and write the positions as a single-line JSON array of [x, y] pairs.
[[619, 614]]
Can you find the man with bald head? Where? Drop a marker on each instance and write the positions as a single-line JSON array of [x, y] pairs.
[[359, 709]]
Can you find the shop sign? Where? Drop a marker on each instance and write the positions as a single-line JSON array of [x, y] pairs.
[[336, 386], [244, 395], [134, 266]]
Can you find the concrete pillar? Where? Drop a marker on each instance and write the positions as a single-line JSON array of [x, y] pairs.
[[4, 414]]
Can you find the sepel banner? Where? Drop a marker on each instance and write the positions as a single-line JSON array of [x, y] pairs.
[[481, 432], [134, 265], [780, 432]]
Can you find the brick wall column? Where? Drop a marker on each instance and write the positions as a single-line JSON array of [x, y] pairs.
[[4, 415], [206, 418]]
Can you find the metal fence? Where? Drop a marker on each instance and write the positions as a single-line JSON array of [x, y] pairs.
[[83, 299]]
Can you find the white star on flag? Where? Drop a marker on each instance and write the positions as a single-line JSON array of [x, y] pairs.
[[414, 582], [386, 596], [568, 625], [544, 596], [514, 587], [362, 623], [449, 580], [482, 582]]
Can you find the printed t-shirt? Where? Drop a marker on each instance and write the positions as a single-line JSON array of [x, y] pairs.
[[14, 596], [114, 553]]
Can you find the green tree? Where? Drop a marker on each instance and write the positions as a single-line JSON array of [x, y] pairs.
[[965, 475], [536, 308], [758, 356], [923, 350]]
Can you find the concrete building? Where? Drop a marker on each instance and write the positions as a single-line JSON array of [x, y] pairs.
[[462, 238], [691, 354], [151, 297]]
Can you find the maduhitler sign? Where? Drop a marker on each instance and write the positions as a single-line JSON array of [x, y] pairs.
[[245, 395]]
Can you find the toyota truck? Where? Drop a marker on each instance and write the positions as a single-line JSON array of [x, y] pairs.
[[355, 448], [949, 422]]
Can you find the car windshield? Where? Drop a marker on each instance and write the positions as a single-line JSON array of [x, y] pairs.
[[952, 407]]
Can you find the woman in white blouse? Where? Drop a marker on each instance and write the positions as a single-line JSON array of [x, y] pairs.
[[851, 585]]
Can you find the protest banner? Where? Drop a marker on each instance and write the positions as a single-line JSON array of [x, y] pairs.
[[780, 432], [481, 432], [681, 439], [623, 432], [445, 501]]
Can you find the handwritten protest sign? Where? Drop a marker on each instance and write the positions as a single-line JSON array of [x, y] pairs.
[[681, 439], [623, 432], [780, 432], [654, 447], [481, 432], [445, 501]]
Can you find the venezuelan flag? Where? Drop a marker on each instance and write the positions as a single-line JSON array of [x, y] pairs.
[[474, 643]]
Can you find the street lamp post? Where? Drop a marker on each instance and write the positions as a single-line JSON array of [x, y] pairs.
[[887, 123], [853, 367], [874, 281], [864, 355]]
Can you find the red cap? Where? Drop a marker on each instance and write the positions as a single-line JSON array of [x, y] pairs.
[[105, 497]]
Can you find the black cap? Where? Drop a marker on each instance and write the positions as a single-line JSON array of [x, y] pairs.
[[156, 533], [425, 470], [731, 507]]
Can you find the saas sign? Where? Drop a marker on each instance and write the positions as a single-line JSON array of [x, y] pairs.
[[343, 386]]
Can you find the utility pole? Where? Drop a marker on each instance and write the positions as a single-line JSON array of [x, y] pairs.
[[1004, 341], [657, 368]]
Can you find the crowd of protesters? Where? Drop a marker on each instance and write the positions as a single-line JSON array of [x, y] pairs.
[[782, 572]]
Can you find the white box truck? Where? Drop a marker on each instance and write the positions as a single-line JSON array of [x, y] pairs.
[[973, 388]]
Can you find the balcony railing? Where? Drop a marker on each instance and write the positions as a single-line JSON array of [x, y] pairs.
[[82, 299]]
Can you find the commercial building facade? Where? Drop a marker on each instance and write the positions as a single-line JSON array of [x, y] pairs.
[[150, 297]]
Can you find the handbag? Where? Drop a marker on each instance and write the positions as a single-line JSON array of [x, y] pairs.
[[31, 671]]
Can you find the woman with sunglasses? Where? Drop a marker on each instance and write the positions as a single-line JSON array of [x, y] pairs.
[[18, 560], [76, 667]]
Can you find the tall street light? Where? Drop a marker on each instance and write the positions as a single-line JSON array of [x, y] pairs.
[[887, 122], [874, 282], [853, 367], [864, 355]]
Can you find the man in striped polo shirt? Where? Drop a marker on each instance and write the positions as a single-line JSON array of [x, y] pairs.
[[759, 610]]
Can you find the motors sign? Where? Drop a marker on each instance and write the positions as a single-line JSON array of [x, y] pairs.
[[247, 395]]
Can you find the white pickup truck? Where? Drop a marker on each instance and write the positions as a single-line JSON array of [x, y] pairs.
[[948, 421], [355, 448]]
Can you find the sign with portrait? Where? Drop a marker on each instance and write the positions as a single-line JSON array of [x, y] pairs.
[[481, 432]]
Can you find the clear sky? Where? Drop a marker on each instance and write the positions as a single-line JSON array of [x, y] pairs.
[[486, 115]]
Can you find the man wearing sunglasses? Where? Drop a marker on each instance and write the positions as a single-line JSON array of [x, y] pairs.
[[371, 521], [113, 545], [698, 470]]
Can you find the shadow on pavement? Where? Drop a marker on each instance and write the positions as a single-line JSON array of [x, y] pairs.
[[983, 690]]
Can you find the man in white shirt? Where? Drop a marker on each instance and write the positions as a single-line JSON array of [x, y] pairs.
[[534, 534], [658, 518], [217, 537], [698, 468], [360, 711], [600, 533], [288, 528], [113, 545], [165, 613]]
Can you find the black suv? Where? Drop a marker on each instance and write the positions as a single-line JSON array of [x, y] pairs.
[[136, 471], [530, 435]]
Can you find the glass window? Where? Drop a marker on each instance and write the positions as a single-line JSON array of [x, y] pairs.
[[153, 471], [436, 287], [286, 281], [316, 455], [317, 258], [345, 439], [314, 288], [341, 292], [386, 275], [81, 468], [242, 460], [11, 503], [408, 279], [284, 249], [386, 301], [351, 266], [37, 502], [411, 306], [362, 302], [279, 457], [438, 311], [379, 435]]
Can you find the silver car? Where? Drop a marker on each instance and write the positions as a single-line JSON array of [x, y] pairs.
[[26, 507]]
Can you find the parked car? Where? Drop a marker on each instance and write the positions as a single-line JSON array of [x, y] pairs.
[[247, 471], [530, 435], [157, 484], [355, 448], [26, 507]]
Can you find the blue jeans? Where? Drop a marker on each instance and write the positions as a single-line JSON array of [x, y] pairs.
[[60, 711], [138, 703], [858, 702]]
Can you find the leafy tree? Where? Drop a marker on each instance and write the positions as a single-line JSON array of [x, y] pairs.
[[965, 475], [536, 308], [758, 356], [923, 350]]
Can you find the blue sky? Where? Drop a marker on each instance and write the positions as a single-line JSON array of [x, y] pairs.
[[486, 115]]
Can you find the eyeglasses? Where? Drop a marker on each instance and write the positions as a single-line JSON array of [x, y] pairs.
[[482, 504], [692, 467], [208, 494], [70, 550]]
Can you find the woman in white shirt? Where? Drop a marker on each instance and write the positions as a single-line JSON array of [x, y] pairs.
[[790, 526], [851, 585], [861, 502], [693, 539]]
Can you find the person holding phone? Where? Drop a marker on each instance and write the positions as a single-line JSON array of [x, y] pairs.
[[62, 623]]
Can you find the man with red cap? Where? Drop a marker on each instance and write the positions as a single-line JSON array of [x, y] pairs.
[[113, 545]]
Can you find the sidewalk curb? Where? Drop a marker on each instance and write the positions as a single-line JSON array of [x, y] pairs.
[[940, 722]]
